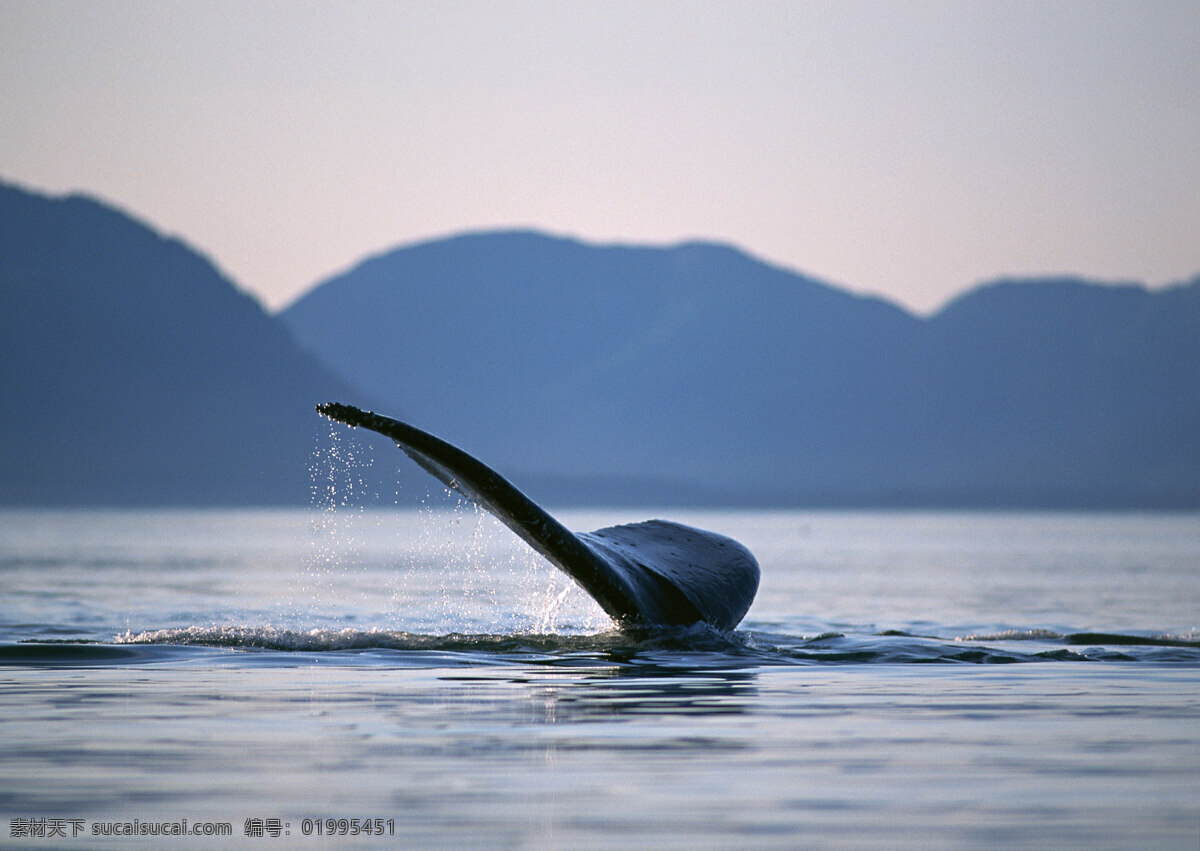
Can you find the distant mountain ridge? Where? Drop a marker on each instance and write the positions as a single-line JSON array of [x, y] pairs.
[[698, 373], [135, 373]]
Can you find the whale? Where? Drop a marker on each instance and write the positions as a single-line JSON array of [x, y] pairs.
[[652, 574]]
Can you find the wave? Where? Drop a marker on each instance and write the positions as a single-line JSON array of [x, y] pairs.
[[700, 638], [76, 653], [1191, 639], [690, 648]]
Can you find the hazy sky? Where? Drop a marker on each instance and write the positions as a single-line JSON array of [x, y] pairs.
[[906, 149]]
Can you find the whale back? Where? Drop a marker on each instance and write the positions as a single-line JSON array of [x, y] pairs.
[[655, 573]]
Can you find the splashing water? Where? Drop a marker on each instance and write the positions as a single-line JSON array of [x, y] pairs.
[[337, 490], [444, 566]]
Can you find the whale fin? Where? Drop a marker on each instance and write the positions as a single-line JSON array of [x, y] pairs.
[[655, 573]]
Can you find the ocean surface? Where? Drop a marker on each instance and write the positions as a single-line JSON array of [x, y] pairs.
[[416, 677]]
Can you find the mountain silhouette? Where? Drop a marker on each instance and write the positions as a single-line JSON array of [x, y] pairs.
[[135, 373], [696, 373]]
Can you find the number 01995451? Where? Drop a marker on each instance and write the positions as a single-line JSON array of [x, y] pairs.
[[348, 827]]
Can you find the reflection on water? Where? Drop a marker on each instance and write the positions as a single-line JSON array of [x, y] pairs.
[[606, 694], [613, 754]]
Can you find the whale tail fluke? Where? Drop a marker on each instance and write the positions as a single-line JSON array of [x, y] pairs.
[[656, 573]]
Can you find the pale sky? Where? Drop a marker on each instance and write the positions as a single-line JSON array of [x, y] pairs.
[[905, 149]]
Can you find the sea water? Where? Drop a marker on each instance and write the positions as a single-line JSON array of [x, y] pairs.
[[417, 677]]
